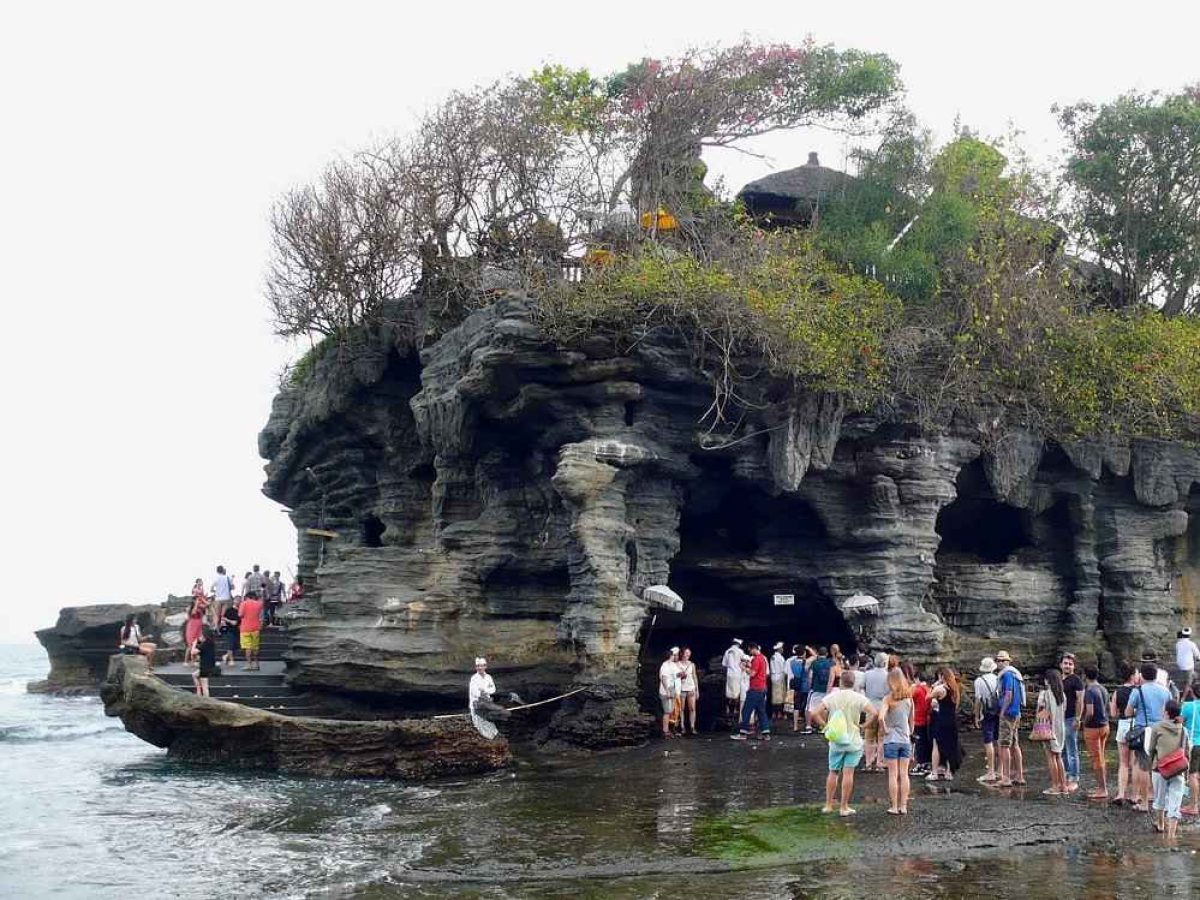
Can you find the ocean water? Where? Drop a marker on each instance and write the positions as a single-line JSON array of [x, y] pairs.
[[88, 810]]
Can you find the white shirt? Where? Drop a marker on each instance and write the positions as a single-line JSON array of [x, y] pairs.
[[481, 685], [668, 678], [135, 637], [986, 687], [732, 660], [222, 588], [778, 667], [1186, 654], [687, 676]]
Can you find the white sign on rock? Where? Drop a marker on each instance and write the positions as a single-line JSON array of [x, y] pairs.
[[785, 599]]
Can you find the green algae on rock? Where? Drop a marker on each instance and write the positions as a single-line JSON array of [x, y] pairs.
[[774, 834]]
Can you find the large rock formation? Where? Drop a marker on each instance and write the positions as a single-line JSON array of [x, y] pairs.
[[498, 494], [83, 639], [204, 730]]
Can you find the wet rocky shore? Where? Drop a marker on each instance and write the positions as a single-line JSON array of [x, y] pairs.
[[709, 813]]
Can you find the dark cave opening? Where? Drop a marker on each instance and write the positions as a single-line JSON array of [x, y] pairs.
[[977, 524], [372, 531], [739, 547]]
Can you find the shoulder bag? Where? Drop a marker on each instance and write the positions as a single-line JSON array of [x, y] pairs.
[[1136, 736], [1172, 764], [1043, 726]]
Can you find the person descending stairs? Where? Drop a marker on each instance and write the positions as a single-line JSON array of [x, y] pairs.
[[264, 688]]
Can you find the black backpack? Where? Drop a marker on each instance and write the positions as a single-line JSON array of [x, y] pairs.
[[990, 704]]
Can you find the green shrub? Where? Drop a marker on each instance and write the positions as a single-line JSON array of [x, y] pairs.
[[770, 296]]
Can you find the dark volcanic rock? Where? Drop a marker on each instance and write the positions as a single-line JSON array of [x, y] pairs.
[[83, 639], [499, 495], [204, 730]]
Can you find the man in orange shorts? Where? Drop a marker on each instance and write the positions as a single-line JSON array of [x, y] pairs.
[[251, 628]]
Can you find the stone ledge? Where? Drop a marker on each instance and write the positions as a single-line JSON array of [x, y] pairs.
[[205, 730]]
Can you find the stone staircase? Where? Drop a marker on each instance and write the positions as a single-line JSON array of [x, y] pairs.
[[262, 689]]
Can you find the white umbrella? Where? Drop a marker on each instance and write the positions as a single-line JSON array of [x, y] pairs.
[[661, 595], [861, 604]]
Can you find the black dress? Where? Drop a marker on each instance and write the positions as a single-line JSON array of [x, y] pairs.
[[208, 658], [944, 728]]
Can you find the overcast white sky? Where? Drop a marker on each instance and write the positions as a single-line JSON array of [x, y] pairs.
[[143, 145]]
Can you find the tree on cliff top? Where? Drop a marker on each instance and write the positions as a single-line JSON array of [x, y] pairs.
[[1135, 168], [660, 114], [514, 173]]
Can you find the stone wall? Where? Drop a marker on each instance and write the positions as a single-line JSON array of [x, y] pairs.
[[496, 494]]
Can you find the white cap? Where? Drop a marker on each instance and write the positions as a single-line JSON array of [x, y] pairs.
[[738, 641], [1186, 632], [675, 650], [779, 645], [480, 661]]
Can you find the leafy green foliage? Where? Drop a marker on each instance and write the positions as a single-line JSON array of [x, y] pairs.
[[1135, 169], [571, 98], [769, 296], [1126, 373]]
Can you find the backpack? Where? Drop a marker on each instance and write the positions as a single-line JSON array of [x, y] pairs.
[[990, 704], [837, 729], [799, 675], [820, 675]]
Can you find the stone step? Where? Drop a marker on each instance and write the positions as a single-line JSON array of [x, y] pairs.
[[274, 704], [233, 680], [229, 693]]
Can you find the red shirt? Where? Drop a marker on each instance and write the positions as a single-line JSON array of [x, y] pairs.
[[758, 672], [251, 611], [920, 698]]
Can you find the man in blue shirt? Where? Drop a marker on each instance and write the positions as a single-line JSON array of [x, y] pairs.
[[1147, 705], [1011, 687], [799, 675]]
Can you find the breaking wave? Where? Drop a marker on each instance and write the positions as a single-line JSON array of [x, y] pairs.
[[51, 732]]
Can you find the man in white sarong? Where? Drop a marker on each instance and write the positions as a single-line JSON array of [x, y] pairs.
[[481, 687], [778, 670], [735, 690]]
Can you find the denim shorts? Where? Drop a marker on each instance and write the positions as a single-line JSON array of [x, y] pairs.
[[897, 751], [990, 726], [843, 759]]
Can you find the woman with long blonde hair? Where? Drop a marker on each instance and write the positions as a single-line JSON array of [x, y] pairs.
[[896, 714]]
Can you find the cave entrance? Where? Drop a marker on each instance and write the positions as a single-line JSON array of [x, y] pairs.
[[373, 528], [977, 525], [739, 547]]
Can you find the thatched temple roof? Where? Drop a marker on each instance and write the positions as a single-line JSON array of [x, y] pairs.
[[794, 196]]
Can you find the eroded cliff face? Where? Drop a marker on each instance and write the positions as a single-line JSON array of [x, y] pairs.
[[498, 495]]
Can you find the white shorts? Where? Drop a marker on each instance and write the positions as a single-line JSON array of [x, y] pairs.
[[1123, 729], [733, 687], [815, 699]]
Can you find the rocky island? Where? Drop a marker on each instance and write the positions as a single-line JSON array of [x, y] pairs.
[[497, 493], [542, 384]]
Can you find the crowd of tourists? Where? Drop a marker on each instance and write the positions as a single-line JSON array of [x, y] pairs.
[[885, 715], [223, 609]]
